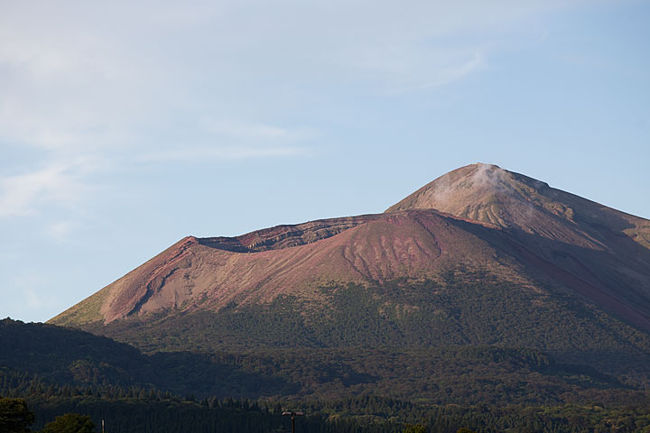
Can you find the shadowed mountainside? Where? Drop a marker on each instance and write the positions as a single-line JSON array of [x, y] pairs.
[[599, 252], [36, 354], [39, 359], [481, 258]]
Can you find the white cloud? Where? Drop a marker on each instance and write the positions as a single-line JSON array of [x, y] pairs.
[[77, 76], [60, 182], [60, 230], [456, 72], [200, 154], [238, 130], [247, 140], [127, 81]]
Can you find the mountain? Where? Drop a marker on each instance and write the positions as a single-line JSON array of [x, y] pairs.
[[40, 360], [480, 256], [37, 355], [599, 252]]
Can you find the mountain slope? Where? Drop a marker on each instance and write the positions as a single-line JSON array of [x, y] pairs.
[[200, 273], [480, 256], [39, 355], [36, 358], [517, 227], [487, 193], [599, 252]]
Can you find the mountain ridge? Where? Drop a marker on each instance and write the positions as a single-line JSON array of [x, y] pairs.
[[375, 259], [487, 193], [478, 216]]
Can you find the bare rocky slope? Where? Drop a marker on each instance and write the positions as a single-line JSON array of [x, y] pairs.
[[480, 256], [479, 215], [597, 251]]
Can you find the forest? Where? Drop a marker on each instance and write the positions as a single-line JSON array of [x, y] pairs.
[[432, 370], [137, 410], [148, 407]]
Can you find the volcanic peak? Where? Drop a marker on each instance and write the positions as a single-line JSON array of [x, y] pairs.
[[468, 186], [480, 216], [489, 194]]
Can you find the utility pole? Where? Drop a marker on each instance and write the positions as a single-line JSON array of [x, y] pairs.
[[293, 418]]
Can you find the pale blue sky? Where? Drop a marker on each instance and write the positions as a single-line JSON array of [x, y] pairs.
[[126, 127]]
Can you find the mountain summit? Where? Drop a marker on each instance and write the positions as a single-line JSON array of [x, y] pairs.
[[485, 193], [489, 194], [456, 191], [480, 255]]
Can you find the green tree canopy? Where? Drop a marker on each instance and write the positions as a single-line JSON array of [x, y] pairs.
[[15, 417], [415, 428], [70, 423]]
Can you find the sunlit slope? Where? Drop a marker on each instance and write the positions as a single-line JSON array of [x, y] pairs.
[[477, 254], [595, 250], [199, 274]]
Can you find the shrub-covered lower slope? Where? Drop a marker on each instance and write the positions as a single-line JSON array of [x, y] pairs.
[[485, 388], [127, 411], [519, 229], [36, 356], [463, 308]]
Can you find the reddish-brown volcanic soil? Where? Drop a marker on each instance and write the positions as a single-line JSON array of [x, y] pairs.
[[480, 216], [199, 273]]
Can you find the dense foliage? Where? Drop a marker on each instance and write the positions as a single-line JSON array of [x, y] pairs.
[[70, 423], [131, 411], [36, 356], [467, 337], [463, 307], [15, 417], [440, 354]]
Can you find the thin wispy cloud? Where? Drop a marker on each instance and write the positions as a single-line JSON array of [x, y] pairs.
[[58, 183], [454, 73], [219, 153], [74, 87], [248, 131], [60, 231], [108, 111], [70, 81]]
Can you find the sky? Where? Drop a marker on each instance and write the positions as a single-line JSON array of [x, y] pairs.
[[125, 126]]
